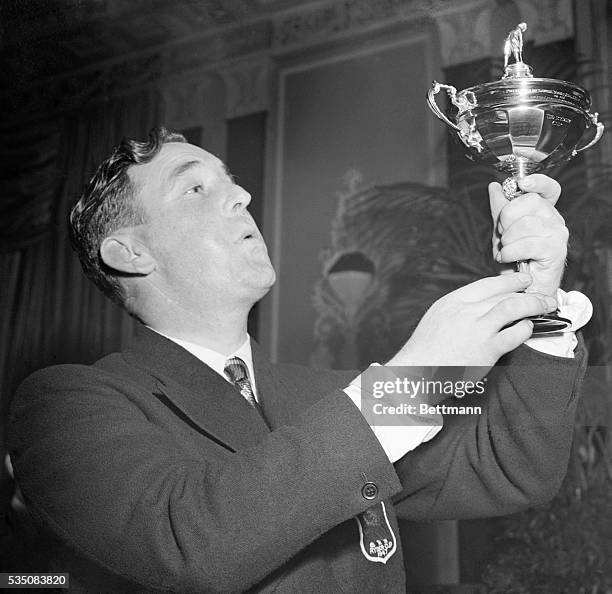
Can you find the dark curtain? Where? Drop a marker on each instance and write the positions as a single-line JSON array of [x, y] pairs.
[[49, 312]]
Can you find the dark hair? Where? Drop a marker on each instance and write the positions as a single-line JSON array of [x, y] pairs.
[[109, 203]]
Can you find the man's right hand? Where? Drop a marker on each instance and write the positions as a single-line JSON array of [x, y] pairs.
[[467, 327]]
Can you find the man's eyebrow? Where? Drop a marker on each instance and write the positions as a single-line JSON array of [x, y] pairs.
[[181, 169]]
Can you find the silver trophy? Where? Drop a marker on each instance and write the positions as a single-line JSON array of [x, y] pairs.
[[521, 125]]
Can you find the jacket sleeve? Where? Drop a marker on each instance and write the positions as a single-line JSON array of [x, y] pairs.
[[110, 484], [513, 455]]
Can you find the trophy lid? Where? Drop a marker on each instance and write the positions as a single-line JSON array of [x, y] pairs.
[[518, 84]]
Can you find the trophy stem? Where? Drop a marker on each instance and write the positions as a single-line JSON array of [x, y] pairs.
[[511, 188], [510, 185], [547, 323], [522, 266]]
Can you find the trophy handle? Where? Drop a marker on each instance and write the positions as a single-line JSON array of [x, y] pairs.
[[598, 134], [431, 100]]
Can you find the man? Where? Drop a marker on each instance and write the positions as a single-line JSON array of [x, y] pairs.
[[151, 471]]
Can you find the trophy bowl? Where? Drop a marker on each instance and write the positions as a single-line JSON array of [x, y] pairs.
[[521, 125]]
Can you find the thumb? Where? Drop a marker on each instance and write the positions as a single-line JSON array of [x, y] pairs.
[[497, 200]]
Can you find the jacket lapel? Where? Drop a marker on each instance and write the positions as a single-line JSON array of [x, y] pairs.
[[210, 403], [279, 397], [286, 391]]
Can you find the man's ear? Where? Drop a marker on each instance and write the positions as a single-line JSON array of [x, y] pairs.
[[121, 251]]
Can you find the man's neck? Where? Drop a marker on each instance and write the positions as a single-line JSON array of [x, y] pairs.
[[219, 324], [222, 339], [221, 333]]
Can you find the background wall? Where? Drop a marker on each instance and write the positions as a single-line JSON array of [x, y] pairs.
[[356, 117]]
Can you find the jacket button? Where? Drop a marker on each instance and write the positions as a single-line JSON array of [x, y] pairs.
[[369, 491]]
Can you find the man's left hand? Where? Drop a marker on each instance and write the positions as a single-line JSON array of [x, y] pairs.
[[530, 228]]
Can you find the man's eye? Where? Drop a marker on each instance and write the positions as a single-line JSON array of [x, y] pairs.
[[199, 189]]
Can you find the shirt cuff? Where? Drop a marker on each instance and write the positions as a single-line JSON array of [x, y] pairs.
[[577, 308], [396, 441]]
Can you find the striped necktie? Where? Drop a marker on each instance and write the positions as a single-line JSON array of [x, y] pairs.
[[236, 370]]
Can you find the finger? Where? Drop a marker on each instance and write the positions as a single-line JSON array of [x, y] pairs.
[[497, 200], [510, 338], [541, 249], [528, 205], [528, 226], [495, 285], [488, 305], [518, 306], [492, 302], [547, 187], [533, 225]]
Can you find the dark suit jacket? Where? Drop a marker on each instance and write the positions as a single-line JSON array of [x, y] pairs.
[[149, 471]]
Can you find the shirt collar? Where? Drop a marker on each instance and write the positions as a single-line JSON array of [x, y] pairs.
[[216, 360]]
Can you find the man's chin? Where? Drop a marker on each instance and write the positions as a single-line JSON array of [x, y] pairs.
[[268, 279], [263, 280]]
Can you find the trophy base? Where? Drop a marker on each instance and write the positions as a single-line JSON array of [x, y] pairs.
[[547, 324]]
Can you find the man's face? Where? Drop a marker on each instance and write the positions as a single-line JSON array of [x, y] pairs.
[[207, 248]]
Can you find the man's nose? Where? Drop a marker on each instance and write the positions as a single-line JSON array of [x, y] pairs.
[[237, 200]]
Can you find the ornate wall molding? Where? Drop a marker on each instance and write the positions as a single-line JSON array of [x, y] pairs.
[[248, 86], [464, 26], [348, 16]]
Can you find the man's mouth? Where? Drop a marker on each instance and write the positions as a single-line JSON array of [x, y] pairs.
[[249, 230], [249, 234]]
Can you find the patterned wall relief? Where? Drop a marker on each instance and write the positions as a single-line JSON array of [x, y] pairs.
[[394, 249], [70, 53]]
